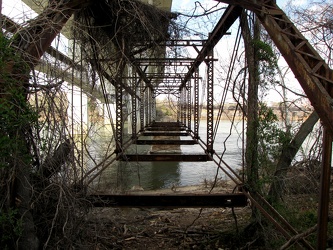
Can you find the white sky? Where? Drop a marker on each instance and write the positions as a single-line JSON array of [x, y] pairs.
[[18, 11]]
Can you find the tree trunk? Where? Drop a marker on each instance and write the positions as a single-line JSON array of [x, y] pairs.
[[287, 155], [251, 153], [32, 42]]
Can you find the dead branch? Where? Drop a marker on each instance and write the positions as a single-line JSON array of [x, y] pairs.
[[297, 237]]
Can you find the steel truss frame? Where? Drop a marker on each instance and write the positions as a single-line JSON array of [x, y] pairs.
[[119, 115], [189, 105], [196, 104], [134, 109], [210, 102]]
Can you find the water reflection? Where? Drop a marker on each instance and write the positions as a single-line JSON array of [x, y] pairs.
[[157, 175]]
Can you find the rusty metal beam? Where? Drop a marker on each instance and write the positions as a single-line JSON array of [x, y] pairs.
[[166, 124], [310, 69], [165, 142], [184, 200], [165, 128], [166, 157], [165, 133], [229, 16], [210, 104], [196, 105], [142, 105]]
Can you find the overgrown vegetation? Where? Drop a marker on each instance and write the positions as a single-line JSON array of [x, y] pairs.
[[17, 117], [46, 156]]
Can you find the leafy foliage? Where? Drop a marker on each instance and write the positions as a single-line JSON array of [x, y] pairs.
[[271, 139], [268, 62], [16, 118]]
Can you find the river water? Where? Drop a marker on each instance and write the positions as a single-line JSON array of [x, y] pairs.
[[159, 175]]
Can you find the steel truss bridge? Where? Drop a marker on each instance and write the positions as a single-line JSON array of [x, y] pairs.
[[314, 75], [310, 69]]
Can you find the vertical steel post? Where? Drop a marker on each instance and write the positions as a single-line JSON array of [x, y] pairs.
[[146, 106], [210, 102], [150, 105], [196, 104], [184, 106], [142, 105], [189, 105], [134, 114], [119, 115], [153, 106], [181, 105], [179, 108], [323, 208]]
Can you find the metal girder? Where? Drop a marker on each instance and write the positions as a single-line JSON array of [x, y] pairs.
[[189, 200], [165, 124], [316, 79], [139, 71], [229, 16], [165, 134], [146, 106], [119, 115], [210, 104], [167, 92], [150, 106], [182, 104], [142, 106], [165, 142], [184, 43], [166, 157], [196, 104], [189, 105], [179, 108], [313, 74], [165, 128], [134, 111], [153, 106]]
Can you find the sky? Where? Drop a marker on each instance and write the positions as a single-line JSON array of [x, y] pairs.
[[15, 8], [178, 5]]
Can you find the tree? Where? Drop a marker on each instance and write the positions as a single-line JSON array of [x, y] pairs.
[[19, 55]]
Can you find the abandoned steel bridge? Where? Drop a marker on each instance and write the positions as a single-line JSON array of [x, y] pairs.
[[314, 75]]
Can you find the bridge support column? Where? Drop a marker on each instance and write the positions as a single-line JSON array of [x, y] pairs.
[[134, 111], [210, 102], [196, 103], [179, 108], [146, 100], [150, 105], [142, 106], [153, 106], [119, 115], [184, 105], [189, 105]]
